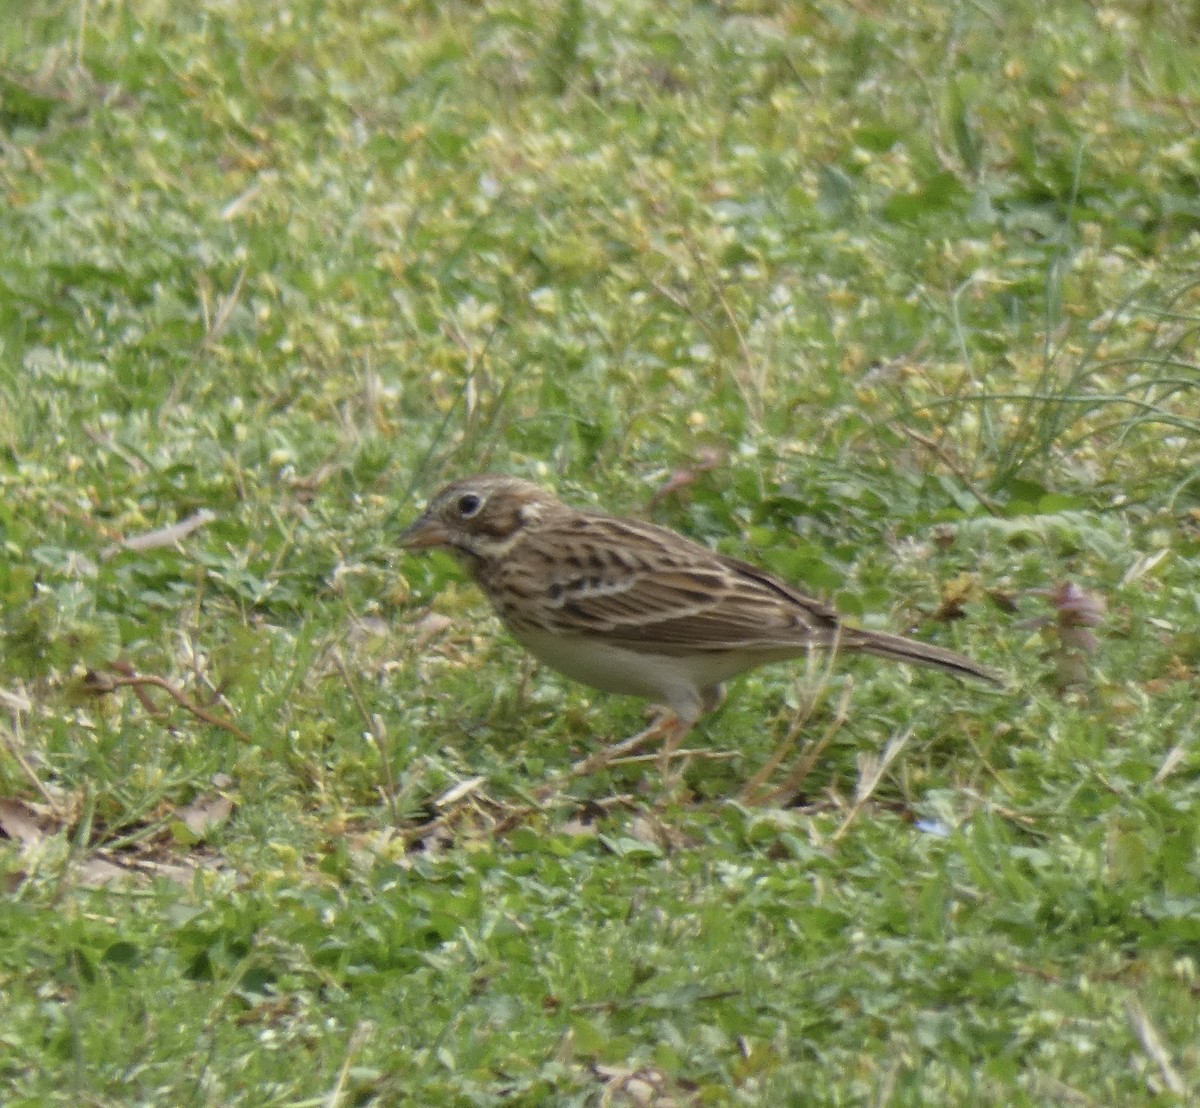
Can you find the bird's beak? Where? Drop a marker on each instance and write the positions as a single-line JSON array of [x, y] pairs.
[[424, 533]]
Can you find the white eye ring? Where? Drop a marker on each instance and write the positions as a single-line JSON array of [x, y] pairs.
[[468, 505]]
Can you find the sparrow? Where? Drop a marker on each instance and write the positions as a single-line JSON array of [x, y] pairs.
[[633, 608]]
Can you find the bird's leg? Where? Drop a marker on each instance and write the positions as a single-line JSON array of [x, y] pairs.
[[709, 701], [665, 723], [674, 734]]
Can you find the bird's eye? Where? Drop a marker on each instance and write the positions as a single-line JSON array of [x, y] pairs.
[[468, 505]]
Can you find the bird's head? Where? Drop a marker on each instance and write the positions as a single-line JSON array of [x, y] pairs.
[[481, 517]]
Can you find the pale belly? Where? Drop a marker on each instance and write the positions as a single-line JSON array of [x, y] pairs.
[[687, 685]]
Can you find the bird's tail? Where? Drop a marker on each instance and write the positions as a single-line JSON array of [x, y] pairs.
[[900, 649]]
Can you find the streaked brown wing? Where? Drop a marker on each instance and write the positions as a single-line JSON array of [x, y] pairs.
[[631, 582]]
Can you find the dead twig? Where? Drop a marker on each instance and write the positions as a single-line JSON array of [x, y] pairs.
[[376, 728], [162, 536], [782, 796], [681, 754], [12, 743], [871, 771], [753, 792], [102, 683], [1152, 1044], [939, 452]]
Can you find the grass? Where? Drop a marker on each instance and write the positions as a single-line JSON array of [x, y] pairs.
[[900, 301]]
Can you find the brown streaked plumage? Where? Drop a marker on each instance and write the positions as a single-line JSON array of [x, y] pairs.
[[629, 607]]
